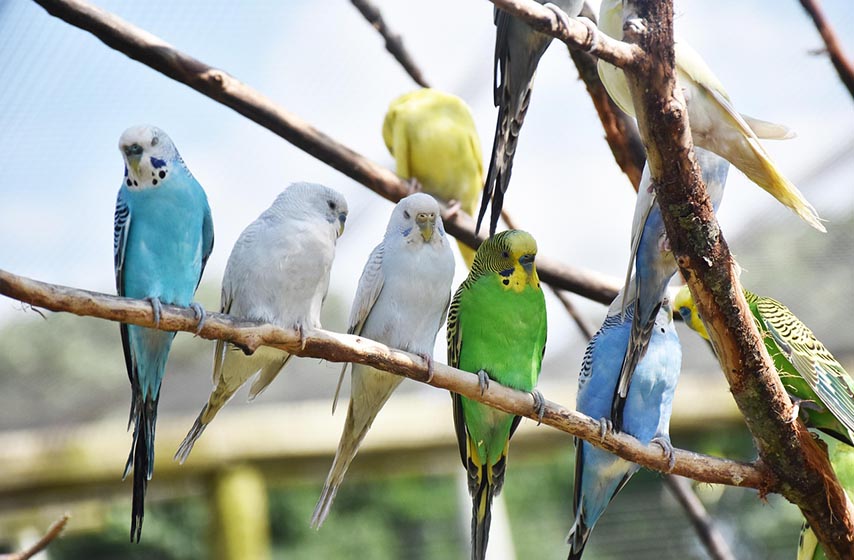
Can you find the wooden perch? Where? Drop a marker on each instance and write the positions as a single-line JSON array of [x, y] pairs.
[[843, 66], [336, 347], [220, 86], [52, 532]]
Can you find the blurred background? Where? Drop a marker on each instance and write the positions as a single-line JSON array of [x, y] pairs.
[[258, 470]]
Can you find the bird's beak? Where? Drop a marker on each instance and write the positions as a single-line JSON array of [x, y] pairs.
[[527, 262], [426, 222], [133, 154], [342, 219], [133, 163]]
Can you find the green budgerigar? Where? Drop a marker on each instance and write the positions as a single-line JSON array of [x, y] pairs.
[[811, 375], [496, 329]]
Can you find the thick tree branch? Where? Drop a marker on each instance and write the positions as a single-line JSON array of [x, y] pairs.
[[336, 347], [805, 476], [220, 86], [393, 41], [53, 531], [843, 66]]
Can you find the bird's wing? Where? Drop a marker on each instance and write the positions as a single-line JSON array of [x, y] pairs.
[[207, 240], [370, 285], [121, 230], [221, 346], [812, 360]]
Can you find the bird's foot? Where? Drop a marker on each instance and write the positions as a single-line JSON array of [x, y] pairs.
[[483, 380], [414, 185], [561, 16], [667, 449], [157, 308], [539, 405], [799, 404], [429, 359], [200, 314], [605, 427], [453, 209], [634, 25], [301, 331]]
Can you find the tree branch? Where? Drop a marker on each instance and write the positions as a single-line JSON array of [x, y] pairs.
[[53, 531], [804, 474], [220, 86], [843, 66], [712, 539], [318, 343], [393, 41]]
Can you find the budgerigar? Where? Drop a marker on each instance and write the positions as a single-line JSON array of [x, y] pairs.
[[518, 49], [434, 141], [599, 475], [496, 329], [842, 458], [278, 273], [819, 385], [401, 301], [715, 124], [654, 265], [163, 237]]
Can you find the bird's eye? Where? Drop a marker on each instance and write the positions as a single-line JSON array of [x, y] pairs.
[[154, 141], [331, 204], [505, 255], [406, 215]]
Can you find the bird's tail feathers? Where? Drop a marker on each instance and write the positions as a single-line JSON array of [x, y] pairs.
[[481, 515], [195, 433], [266, 376], [769, 130], [141, 458], [639, 338], [577, 538]]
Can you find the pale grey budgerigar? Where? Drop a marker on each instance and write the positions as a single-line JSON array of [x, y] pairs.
[[278, 272], [401, 301]]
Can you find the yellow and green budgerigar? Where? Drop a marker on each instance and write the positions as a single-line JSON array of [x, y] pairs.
[[842, 459], [809, 372], [496, 329], [434, 141]]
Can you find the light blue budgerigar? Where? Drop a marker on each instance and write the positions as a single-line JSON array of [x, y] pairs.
[[599, 475], [162, 239], [402, 301], [654, 266], [518, 49]]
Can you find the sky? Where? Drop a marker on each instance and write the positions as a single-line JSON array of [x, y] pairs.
[[68, 97]]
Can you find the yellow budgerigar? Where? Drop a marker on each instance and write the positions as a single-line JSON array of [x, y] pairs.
[[715, 124], [433, 139]]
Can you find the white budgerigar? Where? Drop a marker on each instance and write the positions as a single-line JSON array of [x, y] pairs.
[[401, 301], [715, 123], [278, 273]]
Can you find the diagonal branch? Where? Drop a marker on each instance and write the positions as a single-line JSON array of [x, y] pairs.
[[52, 532], [843, 66], [393, 41], [220, 86], [318, 343]]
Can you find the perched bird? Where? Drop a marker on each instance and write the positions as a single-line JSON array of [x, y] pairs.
[[715, 124], [162, 239], [401, 301], [496, 329], [278, 273], [842, 459], [518, 49], [599, 475], [654, 265], [433, 139], [816, 381]]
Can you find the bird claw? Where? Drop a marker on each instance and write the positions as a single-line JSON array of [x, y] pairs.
[[414, 185], [539, 405], [799, 404], [605, 427], [157, 309], [200, 314], [634, 25], [301, 331], [429, 359], [667, 449], [483, 380]]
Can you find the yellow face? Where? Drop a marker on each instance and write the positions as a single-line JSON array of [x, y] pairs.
[[510, 254]]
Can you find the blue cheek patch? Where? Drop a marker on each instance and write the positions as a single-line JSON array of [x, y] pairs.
[[157, 163], [506, 272], [126, 171], [406, 232]]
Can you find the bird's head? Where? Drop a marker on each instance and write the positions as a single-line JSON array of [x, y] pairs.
[[509, 254], [684, 304], [149, 155], [314, 201], [417, 219]]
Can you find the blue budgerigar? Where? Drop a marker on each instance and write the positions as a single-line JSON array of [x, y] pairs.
[[599, 475], [163, 237], [654, 267]]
